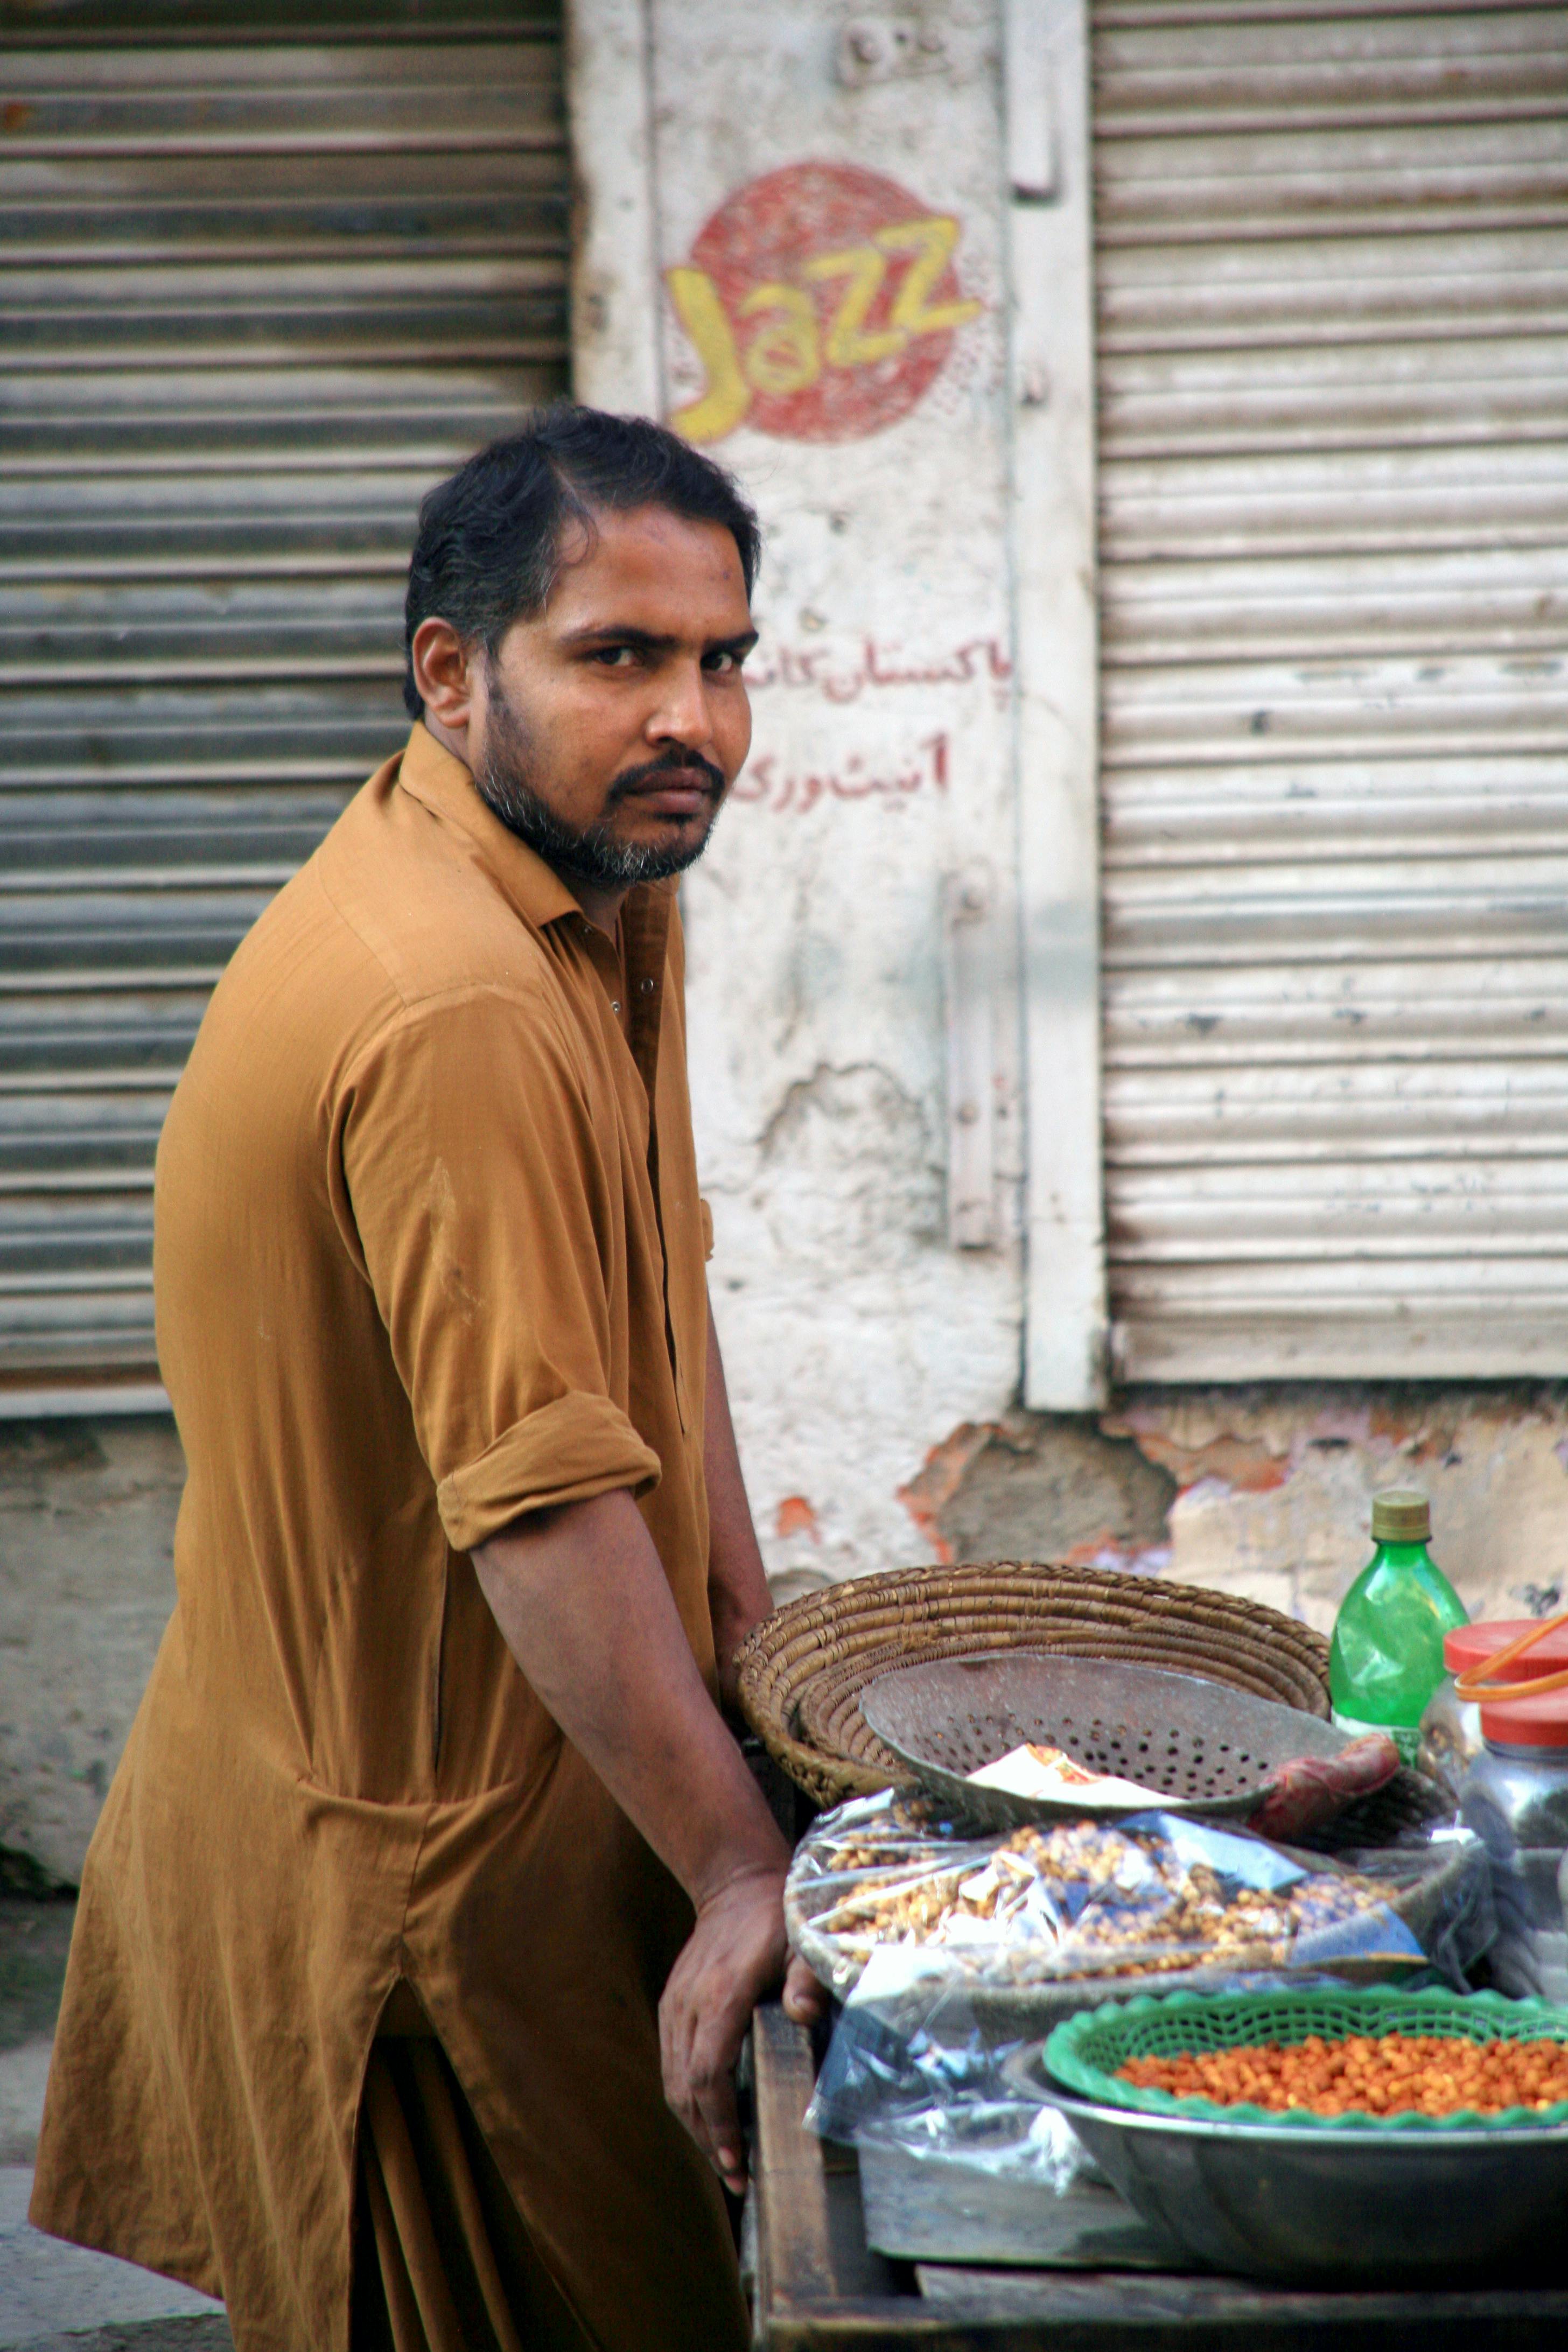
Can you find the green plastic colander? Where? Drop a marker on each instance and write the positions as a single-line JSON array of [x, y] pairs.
[[1084, 2052]]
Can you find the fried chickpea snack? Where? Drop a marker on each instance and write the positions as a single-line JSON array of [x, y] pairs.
[[1387, 2074], [1080, 1898]]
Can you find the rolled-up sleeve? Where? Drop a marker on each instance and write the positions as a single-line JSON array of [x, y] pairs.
[[474, 1190]]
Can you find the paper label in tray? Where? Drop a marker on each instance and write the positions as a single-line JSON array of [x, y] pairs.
[[1051, 1776]]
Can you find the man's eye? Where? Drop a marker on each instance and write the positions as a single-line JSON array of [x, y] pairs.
[[614, 656], [723, 665]]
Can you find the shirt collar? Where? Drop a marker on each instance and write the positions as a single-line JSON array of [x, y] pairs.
[[439, 782]]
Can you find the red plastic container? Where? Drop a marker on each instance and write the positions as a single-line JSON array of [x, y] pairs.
[[1471, 1645]]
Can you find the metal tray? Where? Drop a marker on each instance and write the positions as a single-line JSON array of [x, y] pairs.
[[1206, 1747], [934, 2209], [1358, 2208]]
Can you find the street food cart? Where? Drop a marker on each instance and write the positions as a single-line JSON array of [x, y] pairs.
[[893, 1882], [818, 2287]]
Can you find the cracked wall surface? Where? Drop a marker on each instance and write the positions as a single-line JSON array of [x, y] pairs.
[[1274, 1487], [1261, 1491], [1265, 1491], [1055, 1487], [855, 1336], [873, 1368], [87, 1582]]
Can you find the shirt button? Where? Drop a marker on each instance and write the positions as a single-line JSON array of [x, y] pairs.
[[645, 987], [614, 1006]]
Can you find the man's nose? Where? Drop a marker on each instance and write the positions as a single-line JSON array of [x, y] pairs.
[[681, 714]]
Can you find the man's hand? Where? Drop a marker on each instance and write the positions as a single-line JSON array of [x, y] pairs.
[[734, 1958]]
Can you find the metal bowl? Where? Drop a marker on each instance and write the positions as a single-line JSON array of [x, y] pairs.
[[1202, 1747], [1346, 2209]]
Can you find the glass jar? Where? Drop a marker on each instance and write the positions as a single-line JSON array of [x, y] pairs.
[[1515, 1797], [1449, 1739]]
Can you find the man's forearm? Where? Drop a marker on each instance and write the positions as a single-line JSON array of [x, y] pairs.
[[587, 1612], [738, 1595]]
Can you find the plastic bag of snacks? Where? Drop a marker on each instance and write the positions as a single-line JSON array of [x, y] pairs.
[[1150, 1895]]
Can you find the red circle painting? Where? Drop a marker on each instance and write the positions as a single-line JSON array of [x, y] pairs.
[[822, 301]]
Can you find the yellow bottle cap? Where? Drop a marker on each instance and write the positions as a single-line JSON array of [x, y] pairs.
[[1401, 1515]]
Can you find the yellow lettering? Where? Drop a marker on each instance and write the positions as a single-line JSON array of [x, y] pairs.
[[849, 343], [932, 242], [727, 396], [785, 354]]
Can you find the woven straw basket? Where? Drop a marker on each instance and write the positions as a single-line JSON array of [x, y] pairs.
[[803, 1669]]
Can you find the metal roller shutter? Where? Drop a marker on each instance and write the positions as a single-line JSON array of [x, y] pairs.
[[256, 295], [1331, 249]]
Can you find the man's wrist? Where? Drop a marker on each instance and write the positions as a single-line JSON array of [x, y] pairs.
[[740, 1603], [764, 1857], [757, 1875], [732, 1621]]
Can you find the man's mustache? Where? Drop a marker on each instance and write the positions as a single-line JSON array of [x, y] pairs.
[[655, 773]]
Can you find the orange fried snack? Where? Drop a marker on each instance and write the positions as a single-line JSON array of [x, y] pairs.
[[1388, 2074]]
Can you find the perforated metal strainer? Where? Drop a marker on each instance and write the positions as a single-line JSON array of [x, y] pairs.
[[1201, 1746]]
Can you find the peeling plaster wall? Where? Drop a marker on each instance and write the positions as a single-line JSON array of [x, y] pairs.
[[1258, 1491], [87, 1583], [1266, 1490], [855, 1336], [873, 1368], [1049, 1487], [1274, 1487]]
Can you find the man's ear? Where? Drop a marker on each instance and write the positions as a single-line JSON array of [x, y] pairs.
[[444, 670]]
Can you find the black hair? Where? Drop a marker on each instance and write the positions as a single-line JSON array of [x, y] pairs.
[[487, 549]]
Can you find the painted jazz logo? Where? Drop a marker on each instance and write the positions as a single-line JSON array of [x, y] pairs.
[[822, 302]]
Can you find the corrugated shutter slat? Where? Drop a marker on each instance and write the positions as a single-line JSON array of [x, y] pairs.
[[1332, 265], [264, 274]]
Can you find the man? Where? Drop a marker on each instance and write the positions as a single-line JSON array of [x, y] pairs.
[[430, 1800]]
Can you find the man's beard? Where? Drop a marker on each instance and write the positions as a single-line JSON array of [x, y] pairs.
[[592, 853]]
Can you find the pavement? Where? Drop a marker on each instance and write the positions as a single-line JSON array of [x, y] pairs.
[[55, 2297]]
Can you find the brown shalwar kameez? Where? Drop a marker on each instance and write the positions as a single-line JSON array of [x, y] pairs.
[[429, 1254]]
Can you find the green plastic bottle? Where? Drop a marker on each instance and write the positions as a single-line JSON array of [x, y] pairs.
[[1386, 1656]]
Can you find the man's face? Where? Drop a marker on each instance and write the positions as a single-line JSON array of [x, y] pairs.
[[606, 730]]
